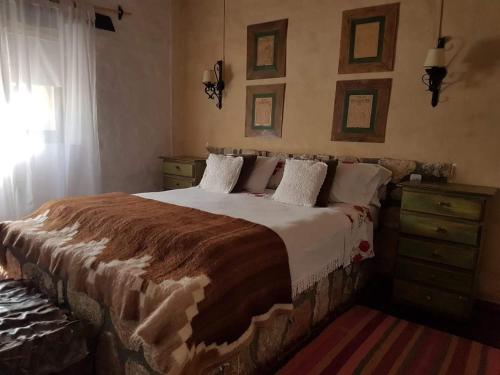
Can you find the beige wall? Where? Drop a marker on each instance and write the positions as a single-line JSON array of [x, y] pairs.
[[133, 96], [464, 128]]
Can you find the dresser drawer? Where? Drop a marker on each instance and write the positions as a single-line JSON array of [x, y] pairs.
[[440, 228], [457, 256], [432, 299], [434, 275], [178, 169], [440, 204], [171, 182]]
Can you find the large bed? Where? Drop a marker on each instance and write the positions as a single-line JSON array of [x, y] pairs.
[[297, 266], [317, 240], [190, 281]]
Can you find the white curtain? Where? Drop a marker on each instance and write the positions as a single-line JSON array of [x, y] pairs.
[[48, 129]]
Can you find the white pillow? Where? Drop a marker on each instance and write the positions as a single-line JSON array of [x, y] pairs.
[[301, 183], [221, 173], [261, 173], [359, 183]]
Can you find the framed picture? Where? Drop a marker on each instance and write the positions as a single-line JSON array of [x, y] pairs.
[[360, 110], [264, 110], [368, 40], [266, 50]]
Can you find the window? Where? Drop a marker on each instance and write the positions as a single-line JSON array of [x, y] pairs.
[[27, 122]]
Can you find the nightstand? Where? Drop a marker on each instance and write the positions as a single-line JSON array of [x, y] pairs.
[[181, 172], [442, 231]]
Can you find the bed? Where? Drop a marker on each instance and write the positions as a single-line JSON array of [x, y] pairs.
[[295, 266], [317, 240]]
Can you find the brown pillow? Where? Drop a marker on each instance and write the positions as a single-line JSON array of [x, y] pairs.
[[324, 193], [246, 171]]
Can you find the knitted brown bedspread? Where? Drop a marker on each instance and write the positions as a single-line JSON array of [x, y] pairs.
[[192, 283]]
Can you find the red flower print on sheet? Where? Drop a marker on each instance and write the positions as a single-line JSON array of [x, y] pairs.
[[357, 258], [364, 246]]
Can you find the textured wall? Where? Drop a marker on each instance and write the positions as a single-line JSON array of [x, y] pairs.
[[464, 128], [133, 96]]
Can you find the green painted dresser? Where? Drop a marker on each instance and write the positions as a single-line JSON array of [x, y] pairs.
[[180, 172], [442, 231]]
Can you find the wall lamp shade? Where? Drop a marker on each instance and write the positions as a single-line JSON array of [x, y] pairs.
[[435, 57], [435, 64], [208, 76], [435, 70], [214, 84]]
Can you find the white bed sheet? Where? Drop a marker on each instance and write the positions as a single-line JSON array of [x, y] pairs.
[[318, 240]]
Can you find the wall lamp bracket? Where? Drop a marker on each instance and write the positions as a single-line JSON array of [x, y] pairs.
[[214, 83], [435, 70]]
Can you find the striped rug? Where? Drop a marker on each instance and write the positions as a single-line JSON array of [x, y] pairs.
[[366, 341]]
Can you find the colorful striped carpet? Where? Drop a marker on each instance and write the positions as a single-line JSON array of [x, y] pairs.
[[366, 341]]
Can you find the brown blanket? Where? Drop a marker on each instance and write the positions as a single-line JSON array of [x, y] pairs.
[[192, 283]]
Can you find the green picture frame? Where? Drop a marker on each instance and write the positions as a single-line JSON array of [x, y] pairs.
[[357, 92], [378, 50], [272, 118], [367, 113], [271, 125], [270, 67], [277, 69], [380, 44]]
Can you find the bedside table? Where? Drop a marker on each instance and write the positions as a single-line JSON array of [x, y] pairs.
[[441, 236], [181, 172]]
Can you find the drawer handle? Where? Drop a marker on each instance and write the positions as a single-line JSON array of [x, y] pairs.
[[428, 298], [441, 230], [436, 254], [444, 204]]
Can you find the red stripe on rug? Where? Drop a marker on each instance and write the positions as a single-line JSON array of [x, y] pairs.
[[365, 341], [493, 361], [459, 359], [306, 359], [431, 350], [365, 348], [474, 360], [395, 351], [369, 363], [413, 351], [340, 359]]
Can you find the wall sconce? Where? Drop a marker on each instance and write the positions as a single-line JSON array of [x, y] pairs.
[[435, 68], [214, 84], [435, 64]]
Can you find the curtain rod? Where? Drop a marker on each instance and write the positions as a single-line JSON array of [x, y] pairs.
[[119, 10]]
